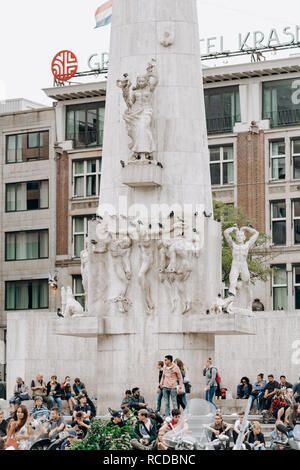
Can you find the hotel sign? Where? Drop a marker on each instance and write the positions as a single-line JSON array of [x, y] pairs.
[[98, 61], [253, 40]]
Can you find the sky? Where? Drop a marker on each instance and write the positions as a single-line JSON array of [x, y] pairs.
[[33, 31]]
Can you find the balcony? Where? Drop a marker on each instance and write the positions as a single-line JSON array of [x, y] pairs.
[[222, 125], [84, 139], [283, 118]]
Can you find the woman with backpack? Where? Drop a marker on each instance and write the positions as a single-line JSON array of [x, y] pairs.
[[213, 379]]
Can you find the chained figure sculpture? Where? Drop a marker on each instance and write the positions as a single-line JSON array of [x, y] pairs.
[[240, 248]]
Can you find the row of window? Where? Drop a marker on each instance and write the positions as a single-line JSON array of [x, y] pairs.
[[34, 294], [34, 244], [27, 147], [84, 125], [279, 222], [222, 161], [34, 195], [278, 159], [280, 106], [280, 287]]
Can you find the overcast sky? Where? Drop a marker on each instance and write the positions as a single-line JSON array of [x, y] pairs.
[[33, 31]]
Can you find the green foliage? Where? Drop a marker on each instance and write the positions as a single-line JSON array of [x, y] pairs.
[[102, 435], [259, 257]]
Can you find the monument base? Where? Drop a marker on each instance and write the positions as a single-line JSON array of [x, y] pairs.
[[128, 349]]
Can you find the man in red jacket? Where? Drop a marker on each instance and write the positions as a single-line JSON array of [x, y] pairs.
[[171, 378]]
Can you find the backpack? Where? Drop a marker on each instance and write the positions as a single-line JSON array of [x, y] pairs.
[[218, 378]]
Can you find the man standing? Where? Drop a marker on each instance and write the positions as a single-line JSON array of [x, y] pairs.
[[171, 378]]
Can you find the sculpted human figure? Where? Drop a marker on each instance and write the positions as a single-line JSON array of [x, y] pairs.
[[146, 250], [120, 251], [63, 300], [138, 115], [84, 272], [240, 249], [175, 269]]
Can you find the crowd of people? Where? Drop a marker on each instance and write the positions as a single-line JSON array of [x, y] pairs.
[[280, 400], [26, 425]]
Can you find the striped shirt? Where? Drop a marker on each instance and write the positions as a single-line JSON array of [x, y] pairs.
[[38, 413]]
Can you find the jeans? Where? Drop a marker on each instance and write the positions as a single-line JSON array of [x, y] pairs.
[[17, 399], [243, 393], [159, 399], [209, 395], [57, 400], [181, 401], [266, 402], [258, 399], [167, 393], [259, 448]]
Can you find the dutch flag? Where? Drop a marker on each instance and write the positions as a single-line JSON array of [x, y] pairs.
[[103, 14]]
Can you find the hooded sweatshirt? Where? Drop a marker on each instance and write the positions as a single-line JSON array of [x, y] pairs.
[[170, 376], [210, 375]]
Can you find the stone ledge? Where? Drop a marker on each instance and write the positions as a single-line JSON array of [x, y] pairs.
[[92, 327], [236, 324], [82, 327]]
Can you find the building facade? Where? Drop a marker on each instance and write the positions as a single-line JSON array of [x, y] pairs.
[[28, 214], [253, 121]]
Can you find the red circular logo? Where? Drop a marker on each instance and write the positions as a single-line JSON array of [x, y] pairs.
[[64, 65]]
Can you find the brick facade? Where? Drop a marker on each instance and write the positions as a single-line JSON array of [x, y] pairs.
[[251, 176], [62, 202]]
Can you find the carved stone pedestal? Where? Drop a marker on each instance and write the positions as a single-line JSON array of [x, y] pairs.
[[142, 175]]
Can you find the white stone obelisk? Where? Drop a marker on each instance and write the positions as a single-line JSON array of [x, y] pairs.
[[126, 278], [167, 31]]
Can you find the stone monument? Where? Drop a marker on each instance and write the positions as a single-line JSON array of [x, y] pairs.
[[152, 268]]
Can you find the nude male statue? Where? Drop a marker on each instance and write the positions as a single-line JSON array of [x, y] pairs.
[[240, 249]]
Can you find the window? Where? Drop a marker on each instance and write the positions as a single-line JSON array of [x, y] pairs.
[[27, 147], [26, 245], [280, 287], [86, 177], [296, 270], [222, 109], [78, 290], [277, 154], [296, 158], [85, 124], [27, 196], [278, 221], [27, 295], [35, 140], [221, 165], [296, 220], [80, 233], [278, 103]]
